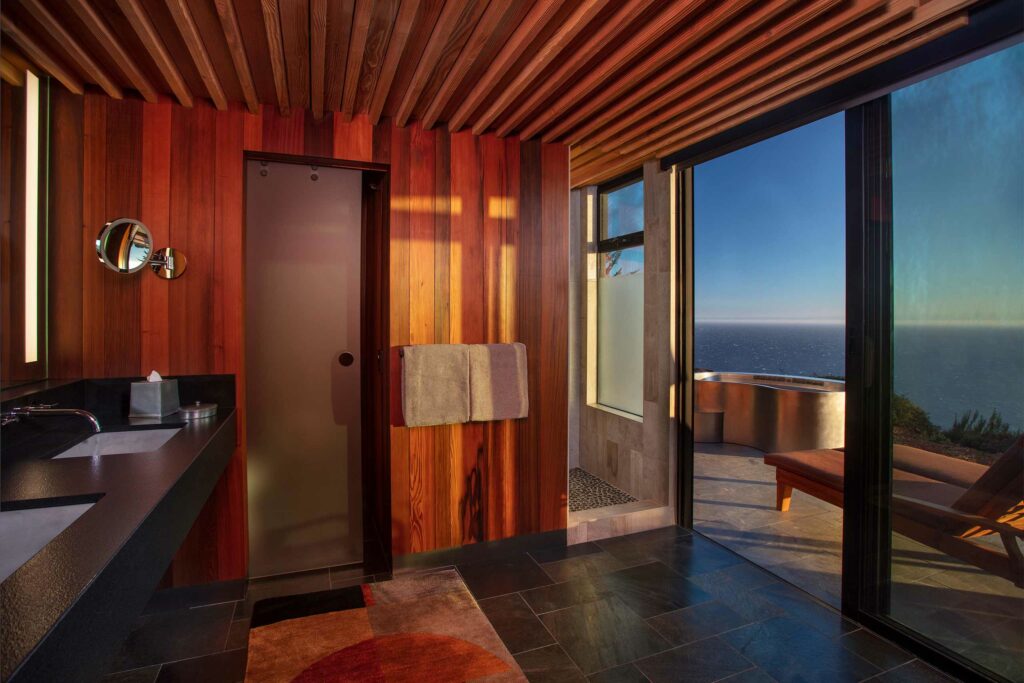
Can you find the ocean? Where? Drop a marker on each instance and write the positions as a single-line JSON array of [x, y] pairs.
[[945, 370]]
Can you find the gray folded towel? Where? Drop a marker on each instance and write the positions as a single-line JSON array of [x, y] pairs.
[[498, 382], [435, 384]]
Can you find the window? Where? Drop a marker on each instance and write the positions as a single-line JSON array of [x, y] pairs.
[[620, 297]]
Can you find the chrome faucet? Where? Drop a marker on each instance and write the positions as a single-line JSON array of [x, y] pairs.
[[14, 414]]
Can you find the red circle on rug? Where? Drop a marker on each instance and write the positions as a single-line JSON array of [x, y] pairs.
[[405, 657]]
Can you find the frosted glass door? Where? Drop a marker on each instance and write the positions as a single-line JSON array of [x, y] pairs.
[[303, 275]]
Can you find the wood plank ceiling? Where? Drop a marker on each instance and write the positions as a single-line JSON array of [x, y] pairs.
[[621, 81]]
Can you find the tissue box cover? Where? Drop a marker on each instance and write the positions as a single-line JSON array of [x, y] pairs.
[[154, 399]]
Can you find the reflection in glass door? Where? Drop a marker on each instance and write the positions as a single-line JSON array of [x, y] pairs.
[[957, 516]]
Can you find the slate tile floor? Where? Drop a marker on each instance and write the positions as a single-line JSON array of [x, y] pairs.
[[979, 615], [663, 605]]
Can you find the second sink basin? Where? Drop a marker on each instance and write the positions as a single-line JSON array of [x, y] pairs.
[[111, 443]]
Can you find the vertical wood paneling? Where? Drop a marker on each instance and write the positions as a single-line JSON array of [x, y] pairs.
[[422, 208], [353, 140], [156, 214], [478, 253], [467, 319], [401, 512], [65, 285], [554, 339]]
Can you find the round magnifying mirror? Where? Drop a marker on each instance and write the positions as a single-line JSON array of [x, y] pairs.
[[168, 263], [124, 245]]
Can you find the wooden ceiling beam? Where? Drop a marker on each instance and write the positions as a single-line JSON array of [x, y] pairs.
[[95, 24], [882, 53], [496, 11], [746, 36], [317, 56], [739, 75], [83, 60], [542, 58], [150, 40], [540, 15], [724, 25], [233, 38], [439, 37], [38, 54], [356, 50], [800, 77], [407, 13], [11, 74], [186, 24], [596, 43], [275, 45], [339, 28]]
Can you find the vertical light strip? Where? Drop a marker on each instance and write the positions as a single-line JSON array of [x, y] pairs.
[[31, 218]]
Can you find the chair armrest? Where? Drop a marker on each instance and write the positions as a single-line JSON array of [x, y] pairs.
[[957, 516]]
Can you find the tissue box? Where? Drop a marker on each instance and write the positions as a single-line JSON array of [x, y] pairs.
[[154, 399]]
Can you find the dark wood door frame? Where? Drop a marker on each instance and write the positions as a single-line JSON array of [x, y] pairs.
[[375, 325]]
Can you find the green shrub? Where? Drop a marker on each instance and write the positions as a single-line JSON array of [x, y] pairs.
[[990, 434], [912, 419]]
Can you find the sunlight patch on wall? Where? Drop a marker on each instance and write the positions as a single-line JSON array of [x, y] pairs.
[[501, 207], [425, 203]]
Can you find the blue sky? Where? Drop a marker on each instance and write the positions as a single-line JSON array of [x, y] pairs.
[[770, 222], [769, 236]]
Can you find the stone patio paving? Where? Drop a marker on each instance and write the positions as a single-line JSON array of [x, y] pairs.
[[973, 613]]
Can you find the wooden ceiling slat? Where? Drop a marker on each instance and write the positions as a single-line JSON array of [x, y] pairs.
[[11, 74], [542, 58], [83, 59], [496, 11], [41, 56], [275, 44], [378, 37], [746, 36], [883, 52], [339, 27], [407, 13], [594, 95], [596, 43], [825, 64], [317, 56], [147, 34], [540, 15], [294, 16], [620, 81], [618, 165], [666, 112], [104, 36], [197, 49], [233, 37], [356, 48], [446, 23], [15, 58]]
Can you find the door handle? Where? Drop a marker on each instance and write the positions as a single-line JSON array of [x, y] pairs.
[[346, 359]]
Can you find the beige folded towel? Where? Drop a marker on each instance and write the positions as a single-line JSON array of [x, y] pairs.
[[498, 384], [435, 384]]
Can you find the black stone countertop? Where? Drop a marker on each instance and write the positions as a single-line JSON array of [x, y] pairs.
[[67, 610]]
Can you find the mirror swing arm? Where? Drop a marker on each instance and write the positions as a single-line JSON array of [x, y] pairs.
[[125, 246]]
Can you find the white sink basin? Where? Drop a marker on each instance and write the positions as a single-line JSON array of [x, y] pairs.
[[111, 443], [23, 533]]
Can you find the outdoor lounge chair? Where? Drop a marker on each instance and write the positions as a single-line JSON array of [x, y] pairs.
[[939, 501]]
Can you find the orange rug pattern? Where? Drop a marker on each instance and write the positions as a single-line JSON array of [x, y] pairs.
[[424, 628]]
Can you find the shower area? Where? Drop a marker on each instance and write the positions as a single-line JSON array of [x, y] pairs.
[[622, 437]]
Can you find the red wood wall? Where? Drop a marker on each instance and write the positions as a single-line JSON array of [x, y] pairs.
[[479, 253]]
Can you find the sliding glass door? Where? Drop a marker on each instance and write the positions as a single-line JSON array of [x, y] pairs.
[[957, 397]]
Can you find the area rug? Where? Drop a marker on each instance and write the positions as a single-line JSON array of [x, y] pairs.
[[422, 628]]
